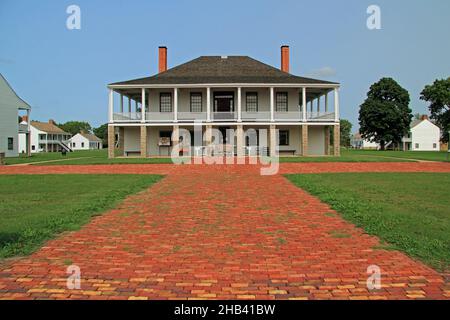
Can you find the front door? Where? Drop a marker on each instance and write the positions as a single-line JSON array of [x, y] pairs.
[[223, 105]]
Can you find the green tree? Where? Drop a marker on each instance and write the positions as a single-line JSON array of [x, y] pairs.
[[438, 96], [346, 132], [385, 114], [102, 133], [74, 127]]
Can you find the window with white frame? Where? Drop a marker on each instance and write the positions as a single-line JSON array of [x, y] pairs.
[[165, 102], [251, 102], [196, 102], [281, 102]]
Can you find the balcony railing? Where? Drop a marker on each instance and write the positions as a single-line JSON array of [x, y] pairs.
[[290, 116]]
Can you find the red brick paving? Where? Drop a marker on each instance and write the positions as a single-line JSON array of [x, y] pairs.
[[220, 232]]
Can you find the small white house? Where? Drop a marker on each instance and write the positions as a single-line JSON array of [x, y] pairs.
[[45, 137], [423, 136], [85, 141], [357, 142]]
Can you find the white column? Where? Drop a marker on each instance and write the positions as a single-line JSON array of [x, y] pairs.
[[28, 121], [129, 105], [239, 106], [175, 105], [121, 103], [111, 105], [272, 111], [136, 106], [336, 104], [143, 110], [208, 104], [326, 102], [304, 103], [318, 104]]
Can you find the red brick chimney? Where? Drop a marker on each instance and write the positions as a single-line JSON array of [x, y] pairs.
[[51, 121], [25, 118], [162, 64], [285, 58], [424, 117]]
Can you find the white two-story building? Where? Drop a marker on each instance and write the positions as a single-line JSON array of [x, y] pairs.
[[228, 93]]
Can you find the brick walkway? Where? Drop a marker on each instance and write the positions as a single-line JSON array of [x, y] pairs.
[[219, 232]]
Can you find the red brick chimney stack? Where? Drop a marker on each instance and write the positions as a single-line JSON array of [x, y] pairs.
[[285, 58], [51, 121], [25, 118], [424, 117], [162, 64]]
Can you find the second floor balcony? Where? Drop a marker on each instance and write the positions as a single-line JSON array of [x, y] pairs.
[[231, 104]]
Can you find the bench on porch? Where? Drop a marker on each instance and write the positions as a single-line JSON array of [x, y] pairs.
[[133, 152], [289, 151]]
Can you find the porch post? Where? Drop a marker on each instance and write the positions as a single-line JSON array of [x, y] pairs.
[[318, 104], [136, 106], [176, 138], [121, 147], [111, 105], [336, 105], [272, 115], [326, 102], [239, 107], [337, 140], [129, 105], [327, 140], [121, 103], [28, 136], [143, 141], [208, 104], [111, 141], [273, 140], [304, 140], [304, 106], [240, 140], [175, 105], [143, 105]]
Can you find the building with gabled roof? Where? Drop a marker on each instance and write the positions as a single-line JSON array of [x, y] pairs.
[[10, 107], [85, 141], [289, 114]]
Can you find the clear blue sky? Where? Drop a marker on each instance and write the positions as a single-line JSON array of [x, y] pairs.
[[63, 74]]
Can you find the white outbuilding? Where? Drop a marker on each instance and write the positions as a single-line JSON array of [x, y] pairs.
[[85, 141], [423, 136]]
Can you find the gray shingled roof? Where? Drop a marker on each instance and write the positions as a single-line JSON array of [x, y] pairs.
[[216, 69]]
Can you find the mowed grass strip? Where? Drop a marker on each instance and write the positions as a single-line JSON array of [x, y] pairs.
[[409, 211], [35, 208]]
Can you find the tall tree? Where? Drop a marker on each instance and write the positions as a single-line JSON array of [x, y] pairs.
[[346, 132], [385, 114], [74, 127], [102, 133], [438, 96]]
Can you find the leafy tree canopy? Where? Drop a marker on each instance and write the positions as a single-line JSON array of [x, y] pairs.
[[438, 97], [74, 127], [346, 132], [102, 133], [385, 115]]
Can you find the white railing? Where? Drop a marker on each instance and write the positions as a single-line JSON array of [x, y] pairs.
[[159, 116], [255, 116], [320, 116], [127, 116], [191, 116], [224, 116], [288, 116]]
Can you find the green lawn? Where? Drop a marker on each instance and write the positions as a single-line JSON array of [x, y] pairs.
[[101, 157], [419, 155], [34, 208], [409, 211], [52, 156]]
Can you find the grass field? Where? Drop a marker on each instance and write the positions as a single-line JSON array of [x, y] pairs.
[[101, 157], [409, 211], [34, 208]]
